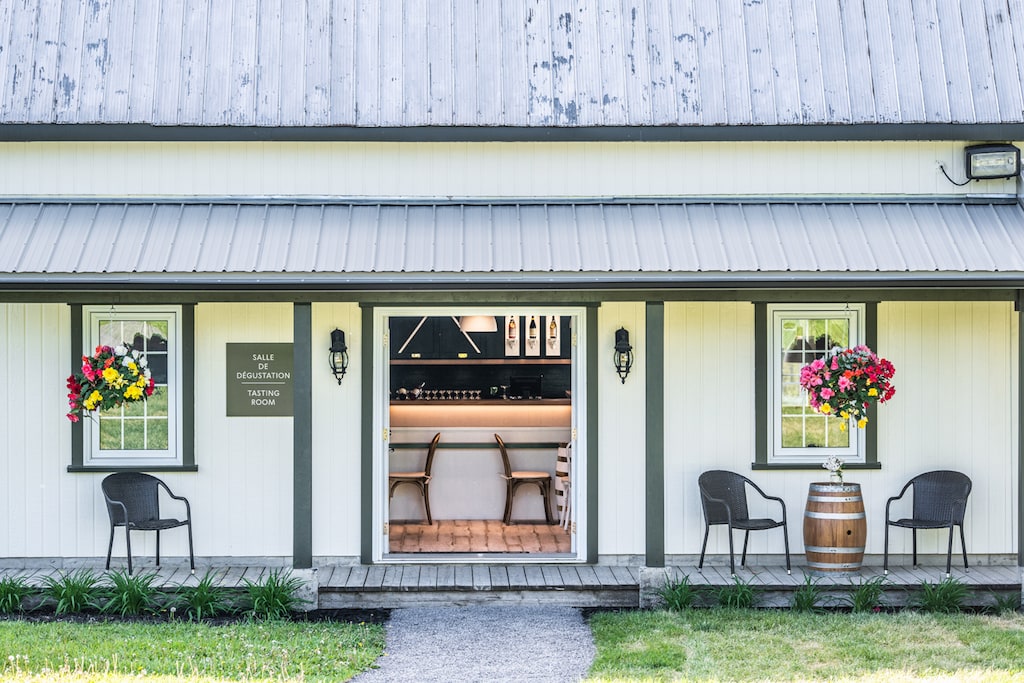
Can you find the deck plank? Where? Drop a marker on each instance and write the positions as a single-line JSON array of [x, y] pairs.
[[356, 578], [374, 578], [570, 577], [428, 577], [445, 576], [481, 577], [552, 577], [534, 577], [463, 576], [623, 576], [499, 577], [605, 575], [410, 577], [588, 577], [517, 577]]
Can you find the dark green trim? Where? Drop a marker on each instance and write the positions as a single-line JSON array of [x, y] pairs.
[[77, 344], [961, 291], [594, 366], [762, 368], [188, 387], [366, 497], [871, 433], [147, 132], [814, 467], [1020, 424], [302, 437], [183, 468], [654, 364]]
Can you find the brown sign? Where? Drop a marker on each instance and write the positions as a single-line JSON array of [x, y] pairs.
[[259, 380]]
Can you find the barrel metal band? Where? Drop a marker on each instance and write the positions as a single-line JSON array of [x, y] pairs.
[[834, 565], [834, 515], [833, 550], [836, 499]]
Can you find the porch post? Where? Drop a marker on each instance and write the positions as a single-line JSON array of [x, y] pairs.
[[302, 438], [1019, 307], [655, 461]]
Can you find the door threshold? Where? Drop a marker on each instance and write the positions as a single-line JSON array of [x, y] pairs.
[[480, 558]]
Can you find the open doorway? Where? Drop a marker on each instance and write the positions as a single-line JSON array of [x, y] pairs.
[[493, 400]]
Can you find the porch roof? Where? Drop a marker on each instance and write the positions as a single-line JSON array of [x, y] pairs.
[[581, 244]]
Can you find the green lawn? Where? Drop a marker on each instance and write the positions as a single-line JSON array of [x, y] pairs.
[[780, 645], [246, 651]]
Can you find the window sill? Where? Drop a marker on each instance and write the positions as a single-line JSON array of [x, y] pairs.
[[137, 468], [813, 466]]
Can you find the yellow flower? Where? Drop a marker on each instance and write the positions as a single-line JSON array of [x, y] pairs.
[[862, 423], [826, 408], [134, 369], [842, 426], [872, 392], [843, 414], [111, 375], [133, 393], [141, 382], [93, 400]]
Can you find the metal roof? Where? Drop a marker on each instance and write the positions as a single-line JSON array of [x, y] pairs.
[[542, 63], [314, 245]]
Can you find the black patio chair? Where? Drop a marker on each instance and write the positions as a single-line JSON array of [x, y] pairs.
[[133, 502], [939, 502], [723, 495]]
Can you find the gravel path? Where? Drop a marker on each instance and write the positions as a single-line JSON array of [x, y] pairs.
[[484, 643]]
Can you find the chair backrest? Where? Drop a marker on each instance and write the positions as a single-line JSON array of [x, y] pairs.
[[430, 454], [138, 492], [729, 487], [941, 494], [504, 457]]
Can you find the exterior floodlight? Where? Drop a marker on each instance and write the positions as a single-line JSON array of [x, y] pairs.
[[987, 162]]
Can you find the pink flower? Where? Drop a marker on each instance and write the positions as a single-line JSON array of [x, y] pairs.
[[827, 393]]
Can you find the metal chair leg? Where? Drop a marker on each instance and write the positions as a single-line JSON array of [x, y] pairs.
[[703, 547]]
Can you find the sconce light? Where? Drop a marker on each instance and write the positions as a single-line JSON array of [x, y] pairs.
[[339, 354], [623, 353], [984, 162]]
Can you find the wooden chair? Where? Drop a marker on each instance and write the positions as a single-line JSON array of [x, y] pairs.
[[133, 502], [420, 480], [516, 478], [939, 502], [723, 495]]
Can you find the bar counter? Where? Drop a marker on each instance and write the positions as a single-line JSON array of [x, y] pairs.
[[466, 481]]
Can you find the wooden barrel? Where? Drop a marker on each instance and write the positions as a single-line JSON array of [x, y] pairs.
[[835, 529]]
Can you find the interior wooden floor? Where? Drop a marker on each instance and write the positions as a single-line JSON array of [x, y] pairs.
[[477, 536]]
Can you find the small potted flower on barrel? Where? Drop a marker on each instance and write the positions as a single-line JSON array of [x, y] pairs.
[[844, 384]]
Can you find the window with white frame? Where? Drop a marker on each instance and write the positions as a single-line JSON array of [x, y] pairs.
[[797, 335], [143, 433]]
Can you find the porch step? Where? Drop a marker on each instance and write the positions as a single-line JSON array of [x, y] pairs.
[[433, 584]]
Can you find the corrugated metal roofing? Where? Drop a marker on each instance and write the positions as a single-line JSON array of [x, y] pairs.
[[321, 244], [542, 63]]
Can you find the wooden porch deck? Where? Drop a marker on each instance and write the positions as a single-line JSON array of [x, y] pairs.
[[613, 586]]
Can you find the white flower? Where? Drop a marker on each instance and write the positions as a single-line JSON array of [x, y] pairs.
[[143, 362], [120, 350], [833, 464]]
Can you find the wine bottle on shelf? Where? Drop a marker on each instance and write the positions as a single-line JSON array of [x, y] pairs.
[[511, 329], [533, 327]]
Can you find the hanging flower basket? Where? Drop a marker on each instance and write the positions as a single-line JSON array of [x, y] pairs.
[[847, 382], [110, 377]]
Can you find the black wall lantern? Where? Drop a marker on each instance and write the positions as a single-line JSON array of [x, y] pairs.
[[339, 354], [623, 353]]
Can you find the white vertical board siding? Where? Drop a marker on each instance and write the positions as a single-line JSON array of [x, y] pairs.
[[442, 170], [956, 380], [622, 424], [242, 497], [955, 407], [45, 512], [337, 435]]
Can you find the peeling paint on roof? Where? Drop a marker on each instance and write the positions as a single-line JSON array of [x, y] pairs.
[[542, 63]]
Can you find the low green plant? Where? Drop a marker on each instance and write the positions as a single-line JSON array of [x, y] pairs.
[[738, 594], [275, 597], [76, 592], [13, 591], [945, 597], [1004, 603], [678, 594], [867, 595], [808, 596], [132, 595], [204, 600]]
